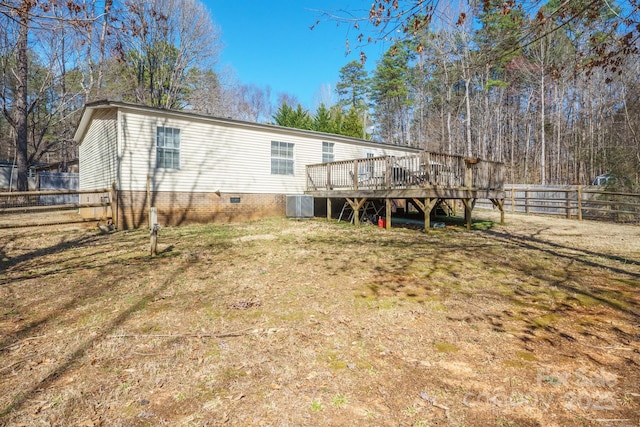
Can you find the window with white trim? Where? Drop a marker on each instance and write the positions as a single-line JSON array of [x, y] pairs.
[[327, 152], [167, 148], [370, 165], [282, 158]]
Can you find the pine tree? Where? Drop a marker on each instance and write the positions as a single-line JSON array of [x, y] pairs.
[[390, 90], [301, 119], [322, 121], [352, 125], [283, 116], [288, 117], [353, 86]]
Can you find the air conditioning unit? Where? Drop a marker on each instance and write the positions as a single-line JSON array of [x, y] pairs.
[[300, 206]]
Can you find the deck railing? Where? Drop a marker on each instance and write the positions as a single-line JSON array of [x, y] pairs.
[[424, 170]]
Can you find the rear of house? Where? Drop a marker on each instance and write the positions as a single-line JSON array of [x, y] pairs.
[[195, 168]]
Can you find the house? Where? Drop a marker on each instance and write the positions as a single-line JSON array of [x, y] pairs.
[[9, 174], [196, 168]]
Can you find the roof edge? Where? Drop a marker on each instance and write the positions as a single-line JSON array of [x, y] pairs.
[[105, 103]]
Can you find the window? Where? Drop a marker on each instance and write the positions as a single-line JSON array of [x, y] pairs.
[[281, 158], [327, 152], [370, 165], [168, 148]]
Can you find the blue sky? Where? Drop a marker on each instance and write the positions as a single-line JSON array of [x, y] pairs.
[[270, 43]]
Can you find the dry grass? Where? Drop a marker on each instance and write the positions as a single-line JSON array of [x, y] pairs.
[[289, 323]]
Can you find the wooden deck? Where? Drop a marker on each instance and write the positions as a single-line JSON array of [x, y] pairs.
[[424, 179]]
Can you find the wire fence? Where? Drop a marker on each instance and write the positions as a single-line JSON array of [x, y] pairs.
[[18, 208]]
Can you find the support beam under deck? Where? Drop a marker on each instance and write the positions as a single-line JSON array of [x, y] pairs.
[[426, 207], [499, 203], [356, 204]]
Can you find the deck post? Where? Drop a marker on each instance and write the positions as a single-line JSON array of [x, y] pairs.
[[329, 208], [388, 213], [356, 212], [355, 174], [467, 212], [427, 168], [356, 204], [499, 203], [468, 176], [426, 208], [387, 173]]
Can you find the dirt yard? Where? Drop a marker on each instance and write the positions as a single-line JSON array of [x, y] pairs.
[[291, 323]]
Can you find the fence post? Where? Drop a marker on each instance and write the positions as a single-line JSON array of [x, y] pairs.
[[568, 194], [526, 200], [579, 202], [513, 198]]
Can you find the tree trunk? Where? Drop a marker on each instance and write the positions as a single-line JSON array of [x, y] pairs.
[[448, 110], [21, 109], [543, 145], [467, 82]]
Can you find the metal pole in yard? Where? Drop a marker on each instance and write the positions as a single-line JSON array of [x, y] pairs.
[[155, 227]]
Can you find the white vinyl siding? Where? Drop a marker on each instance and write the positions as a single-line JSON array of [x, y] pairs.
[[220, 155], [282, 158], [98, 151], [167, 148]]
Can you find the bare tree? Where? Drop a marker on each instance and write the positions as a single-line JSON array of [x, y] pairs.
[[256, 103], [163, 40], [324, 95], [205, 92], [288, 99], [94, 46], [36, 94]]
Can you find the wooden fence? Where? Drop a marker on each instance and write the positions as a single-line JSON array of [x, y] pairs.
[[15, 207], [572, 201]]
